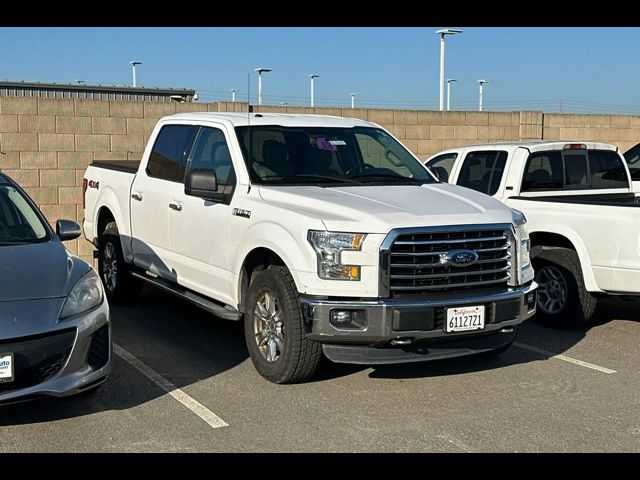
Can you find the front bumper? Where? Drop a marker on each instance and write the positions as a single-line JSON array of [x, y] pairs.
[[69, 359], [412, 330]]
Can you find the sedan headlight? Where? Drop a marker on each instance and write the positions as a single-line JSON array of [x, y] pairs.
[[86, 294], [328, 247]]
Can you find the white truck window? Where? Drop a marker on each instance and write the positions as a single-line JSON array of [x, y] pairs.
[[442, 165], [169, 155], [211, 152], [583, 169], [482, 170]]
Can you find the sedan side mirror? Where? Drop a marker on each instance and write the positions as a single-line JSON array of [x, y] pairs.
[[201, 183], [67, 230]]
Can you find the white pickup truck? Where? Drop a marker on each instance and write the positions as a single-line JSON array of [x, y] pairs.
[[584, 218], [324, 233]]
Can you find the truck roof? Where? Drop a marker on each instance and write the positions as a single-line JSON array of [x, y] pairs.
[[283, 119], [539, 145]]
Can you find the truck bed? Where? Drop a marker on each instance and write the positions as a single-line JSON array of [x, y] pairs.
[[127, 166]]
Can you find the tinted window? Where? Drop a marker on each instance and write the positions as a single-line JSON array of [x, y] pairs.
[[442, 165], [19, 223], [211, 152], [607, 170], [575, 170], [544, 171], [633, 162], [571, 169], [169, 155], [482, 171]]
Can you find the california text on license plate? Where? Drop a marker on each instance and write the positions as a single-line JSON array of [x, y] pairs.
[[462, 319], [6, 367]]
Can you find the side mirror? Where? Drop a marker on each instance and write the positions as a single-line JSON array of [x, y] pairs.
[[435, 174], [67, 230], [201, 183], [440, 173]]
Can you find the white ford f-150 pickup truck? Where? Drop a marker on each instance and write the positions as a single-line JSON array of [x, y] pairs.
[[584, 218], [324, 233]]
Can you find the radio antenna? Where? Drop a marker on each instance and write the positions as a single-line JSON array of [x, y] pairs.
[[250, 150]]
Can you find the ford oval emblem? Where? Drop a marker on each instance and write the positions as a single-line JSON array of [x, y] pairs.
[[461, 258]]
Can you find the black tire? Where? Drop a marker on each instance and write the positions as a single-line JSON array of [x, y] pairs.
[[294, 358], [119, 285], [558, 269]]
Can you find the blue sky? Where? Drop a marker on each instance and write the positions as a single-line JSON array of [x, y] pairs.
[[384, 66]]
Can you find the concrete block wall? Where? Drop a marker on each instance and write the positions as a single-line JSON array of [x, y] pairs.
[[46, 144]]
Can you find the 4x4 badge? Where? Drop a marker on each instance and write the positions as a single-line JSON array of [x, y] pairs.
[[241, 213]]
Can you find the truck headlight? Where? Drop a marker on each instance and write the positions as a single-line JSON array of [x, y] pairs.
[[328, 247], [86, 294], [522, 239]]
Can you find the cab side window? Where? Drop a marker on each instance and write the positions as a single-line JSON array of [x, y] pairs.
[[169, 155], [442, 165], [482, 171], [211, 152]]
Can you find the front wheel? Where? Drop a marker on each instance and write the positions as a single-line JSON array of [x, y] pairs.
[[274, 332], [563, 300]]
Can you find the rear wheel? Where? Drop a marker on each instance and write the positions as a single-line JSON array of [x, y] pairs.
[[563, 300], [274, 330], [119, 285]]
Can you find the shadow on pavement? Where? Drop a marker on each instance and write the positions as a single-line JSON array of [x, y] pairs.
[[185, 344], [554, 340], [177, 340]]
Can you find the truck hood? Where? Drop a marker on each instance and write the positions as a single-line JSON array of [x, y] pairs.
[[38, 271], [378, 209]]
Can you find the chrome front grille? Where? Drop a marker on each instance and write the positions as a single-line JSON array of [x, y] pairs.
[[411, 259]]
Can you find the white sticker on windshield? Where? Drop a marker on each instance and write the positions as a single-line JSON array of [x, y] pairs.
[[337, 142]]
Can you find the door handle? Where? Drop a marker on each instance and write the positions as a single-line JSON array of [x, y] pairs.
[[177, 206], [136, 196]]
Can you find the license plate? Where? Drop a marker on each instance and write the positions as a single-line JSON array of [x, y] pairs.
[[6, 367], [463, 319]]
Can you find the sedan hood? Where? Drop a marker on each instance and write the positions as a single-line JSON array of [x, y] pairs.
[[38, 271], [378, 209]]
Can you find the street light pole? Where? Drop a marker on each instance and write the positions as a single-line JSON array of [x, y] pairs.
[[482, 82], [443, 33], [133, 66], [449, 81], [313, 76], [260, 70], [353, 100], [233, 95]]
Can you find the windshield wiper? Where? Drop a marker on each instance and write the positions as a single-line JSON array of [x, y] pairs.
[[317, 177], [16, 242]]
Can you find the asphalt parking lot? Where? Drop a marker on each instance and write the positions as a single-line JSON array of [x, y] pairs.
[[556, 391]]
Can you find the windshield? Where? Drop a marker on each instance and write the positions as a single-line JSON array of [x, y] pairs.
[[19, 223], [326, 156]]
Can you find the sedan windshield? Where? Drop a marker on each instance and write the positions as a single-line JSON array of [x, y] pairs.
[[325, 156], [19, 223]]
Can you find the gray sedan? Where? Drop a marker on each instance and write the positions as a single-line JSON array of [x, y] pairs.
[[55, 333]]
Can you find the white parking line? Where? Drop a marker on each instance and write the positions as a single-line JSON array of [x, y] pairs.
[[196, 407], [563, 357]]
